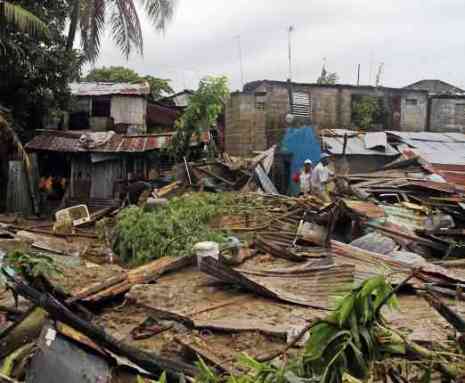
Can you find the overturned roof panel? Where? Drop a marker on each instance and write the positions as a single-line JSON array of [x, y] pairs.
[[365, 144], [109, 88]]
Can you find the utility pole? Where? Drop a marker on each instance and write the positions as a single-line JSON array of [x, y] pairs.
[[291, 29], [358, 75], [241, 65], [372, 58], [379, 74]]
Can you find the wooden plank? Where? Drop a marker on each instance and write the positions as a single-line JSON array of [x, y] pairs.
[[117, 285]]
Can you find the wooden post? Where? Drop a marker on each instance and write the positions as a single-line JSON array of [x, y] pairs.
[[18, 198], [33, 179]]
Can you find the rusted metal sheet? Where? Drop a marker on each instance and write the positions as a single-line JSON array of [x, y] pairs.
[[437, 186], [368, 264], [313, 287], [68, 143], [375, 242], [197, 299], [83, 89], [405, 217], [366, 209], [454, 174], [422, 322]]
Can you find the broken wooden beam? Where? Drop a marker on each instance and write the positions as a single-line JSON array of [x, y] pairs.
[[120, 284], [446, 312]]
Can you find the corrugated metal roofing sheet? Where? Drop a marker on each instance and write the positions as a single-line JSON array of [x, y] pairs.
[[452, 173], [375, 140], [355, 145], [436, 148], [444, 153], [430, 136], [117, 144], [109, 88]]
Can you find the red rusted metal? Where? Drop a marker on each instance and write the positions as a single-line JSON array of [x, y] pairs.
[[69, 143]]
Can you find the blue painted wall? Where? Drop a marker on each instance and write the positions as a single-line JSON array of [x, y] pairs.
[[302, 143]]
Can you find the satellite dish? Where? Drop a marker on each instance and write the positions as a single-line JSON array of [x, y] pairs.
[[289, 118]]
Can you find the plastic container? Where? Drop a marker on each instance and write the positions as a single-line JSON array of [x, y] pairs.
[[206, 249]]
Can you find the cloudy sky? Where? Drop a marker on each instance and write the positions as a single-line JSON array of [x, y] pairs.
[[414, 39]]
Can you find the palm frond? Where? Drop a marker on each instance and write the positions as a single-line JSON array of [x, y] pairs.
[[160, 12], [92, 24], [21, 19], [126, 28]]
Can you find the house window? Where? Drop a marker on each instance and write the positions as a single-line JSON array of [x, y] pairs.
[[301, 104], [411, 102], [260, 100], [101, 106]]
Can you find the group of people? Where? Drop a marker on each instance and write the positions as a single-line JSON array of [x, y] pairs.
[[314, 179]]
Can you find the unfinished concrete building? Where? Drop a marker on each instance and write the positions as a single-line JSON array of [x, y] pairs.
[[256, 117]]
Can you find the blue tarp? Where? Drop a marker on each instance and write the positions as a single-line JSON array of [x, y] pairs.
[[302, 143]]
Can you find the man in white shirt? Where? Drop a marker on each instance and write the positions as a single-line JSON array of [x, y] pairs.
[[304, 177], [321, 176]]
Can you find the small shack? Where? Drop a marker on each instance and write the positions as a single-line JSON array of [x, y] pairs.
[[101, 106], [94, 167]]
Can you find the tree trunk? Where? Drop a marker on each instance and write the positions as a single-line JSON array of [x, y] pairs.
[[73, 24]]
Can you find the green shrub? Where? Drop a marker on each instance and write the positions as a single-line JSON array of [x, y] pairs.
[[171, 230]]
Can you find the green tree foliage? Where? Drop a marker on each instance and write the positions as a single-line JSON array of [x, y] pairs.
[[141, 236], [91, 17], [112, 74], [158, 87], [35, 69], [201, 114], [31, 267], [327, 78], [365, 112], [353, 336], [19, 18]]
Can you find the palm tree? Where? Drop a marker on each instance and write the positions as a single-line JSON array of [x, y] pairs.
[[92, 16], [20, 19]]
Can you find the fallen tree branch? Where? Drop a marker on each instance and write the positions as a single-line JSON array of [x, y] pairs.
[[274, 355]]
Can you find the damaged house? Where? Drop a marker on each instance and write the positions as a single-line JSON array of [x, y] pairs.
[[121, 107], [96, 166], [106, 146]]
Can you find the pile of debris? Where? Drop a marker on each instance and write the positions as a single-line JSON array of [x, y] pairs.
[[257, 293]]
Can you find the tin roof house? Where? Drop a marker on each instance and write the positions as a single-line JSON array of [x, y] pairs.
[[105, 147]]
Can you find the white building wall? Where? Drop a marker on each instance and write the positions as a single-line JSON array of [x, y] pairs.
[[129, 110]]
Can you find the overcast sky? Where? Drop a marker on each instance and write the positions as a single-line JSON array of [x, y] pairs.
[[415, 39]]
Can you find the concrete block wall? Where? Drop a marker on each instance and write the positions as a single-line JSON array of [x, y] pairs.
[[277, 107], [414, 116], [245, 125], [447, 114]]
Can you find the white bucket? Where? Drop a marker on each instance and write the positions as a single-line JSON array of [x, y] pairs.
[[206, 249]]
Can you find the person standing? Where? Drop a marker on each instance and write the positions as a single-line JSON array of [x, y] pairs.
[[321, 177], [304, 178]]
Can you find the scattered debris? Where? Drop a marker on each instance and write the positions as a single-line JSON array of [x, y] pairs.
[[275, 271]]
